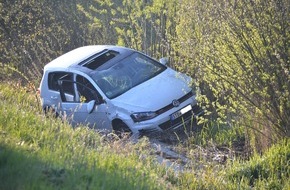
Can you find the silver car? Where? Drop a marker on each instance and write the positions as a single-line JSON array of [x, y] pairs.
[[117, 89]]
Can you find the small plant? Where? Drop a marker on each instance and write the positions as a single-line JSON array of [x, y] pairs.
[[271, 169]]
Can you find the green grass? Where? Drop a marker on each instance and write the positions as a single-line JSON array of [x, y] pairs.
[[39, 152], [220, 135], [269, 171]]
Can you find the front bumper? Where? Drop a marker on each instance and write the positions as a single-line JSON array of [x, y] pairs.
[[163, 123]]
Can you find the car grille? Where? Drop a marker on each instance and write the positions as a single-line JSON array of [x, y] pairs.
[[170, 106], [188, 116]]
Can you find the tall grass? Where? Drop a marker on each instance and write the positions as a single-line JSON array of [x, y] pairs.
[[269, 171], [219, 134], [39, 152]]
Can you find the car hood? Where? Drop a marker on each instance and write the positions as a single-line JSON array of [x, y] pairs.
[[155, 93]]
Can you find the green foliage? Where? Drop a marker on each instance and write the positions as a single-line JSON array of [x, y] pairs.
[[145, 26], [239, 55], [237, 52], [32, 33], [41, 152], [269, 171], [215, 133], [38, 152]]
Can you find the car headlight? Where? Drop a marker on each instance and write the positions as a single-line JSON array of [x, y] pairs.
[[143, 116]]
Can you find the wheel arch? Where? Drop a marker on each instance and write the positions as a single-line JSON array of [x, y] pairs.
[[117, 122]]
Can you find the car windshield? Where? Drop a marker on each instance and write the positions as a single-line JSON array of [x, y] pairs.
[[126, 74]]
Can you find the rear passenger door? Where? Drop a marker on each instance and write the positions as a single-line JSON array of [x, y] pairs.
[[77, 108]]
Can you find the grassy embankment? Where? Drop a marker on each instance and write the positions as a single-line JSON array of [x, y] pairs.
[[38, 152]]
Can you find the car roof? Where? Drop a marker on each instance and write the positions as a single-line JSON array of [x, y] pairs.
[[74, 57]]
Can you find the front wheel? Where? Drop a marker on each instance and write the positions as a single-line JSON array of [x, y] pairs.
[[121, 129]]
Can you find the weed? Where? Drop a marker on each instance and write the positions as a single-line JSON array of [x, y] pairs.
[[62, 156], [271, 169], [38, 152]]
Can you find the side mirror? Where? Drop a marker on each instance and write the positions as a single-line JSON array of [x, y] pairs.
[[164, 60], [91, 106]]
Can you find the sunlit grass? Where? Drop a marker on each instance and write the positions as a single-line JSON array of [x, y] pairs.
[[41, 152], [221, 135], [269, 171]]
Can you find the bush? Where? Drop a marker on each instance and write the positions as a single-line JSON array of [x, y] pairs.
[[239, 55]]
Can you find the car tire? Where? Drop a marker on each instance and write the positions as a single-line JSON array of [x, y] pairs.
[[121, 129]]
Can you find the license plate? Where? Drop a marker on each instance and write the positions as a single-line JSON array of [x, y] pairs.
[[180, 112]]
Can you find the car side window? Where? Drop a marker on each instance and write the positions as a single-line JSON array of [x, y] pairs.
[[86, 90], [53, 82], [67, 84], [62, 82]]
